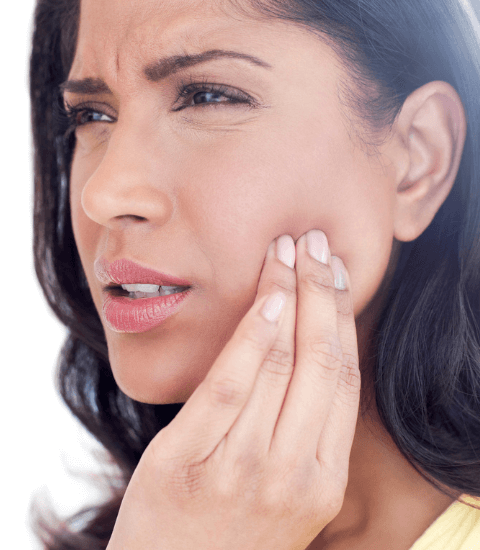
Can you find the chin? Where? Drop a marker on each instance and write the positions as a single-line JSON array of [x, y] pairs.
[[162, 389], [162, 367], [153, 395]]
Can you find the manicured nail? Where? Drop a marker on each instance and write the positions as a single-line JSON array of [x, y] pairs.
[[339, 273], [273, 306], [286, 250], [317, 245]]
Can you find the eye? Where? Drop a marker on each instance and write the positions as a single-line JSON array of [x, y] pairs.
[[84, 116], [205, 94], [77, 116], [196, 94]]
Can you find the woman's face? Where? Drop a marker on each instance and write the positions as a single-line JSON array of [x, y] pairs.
[[198, 186]]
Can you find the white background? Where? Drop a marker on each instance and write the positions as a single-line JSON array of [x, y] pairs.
[[40, 438]]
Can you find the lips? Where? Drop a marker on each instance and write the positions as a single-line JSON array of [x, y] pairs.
[[124, 272], [137, 315]]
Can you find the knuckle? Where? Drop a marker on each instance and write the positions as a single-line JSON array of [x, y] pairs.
[[276, 499], [339, 479], [250, 472], [181, 476], [278, 361], [287, 287], [320, 281], [327, 354], [330, 489], [290, 487], [227, 392], [335, 477], [334, 504], [349, 378], [344, 305], [188, 481], [301, 476], [255, 336]]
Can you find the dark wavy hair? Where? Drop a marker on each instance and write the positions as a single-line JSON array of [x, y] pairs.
[[427, 342]]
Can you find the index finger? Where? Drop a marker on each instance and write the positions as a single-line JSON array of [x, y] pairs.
[[216, 403]]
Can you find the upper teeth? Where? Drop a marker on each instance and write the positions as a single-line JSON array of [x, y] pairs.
[[146, 288]]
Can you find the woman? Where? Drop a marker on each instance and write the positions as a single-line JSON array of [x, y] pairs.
[[319, 160]]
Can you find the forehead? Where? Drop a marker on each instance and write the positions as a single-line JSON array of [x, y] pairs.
[[129, 20], [118, 29], [119, 35]]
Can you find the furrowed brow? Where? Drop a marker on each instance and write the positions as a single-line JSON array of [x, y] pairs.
[[159, 70], [167, 66], [85, 86]]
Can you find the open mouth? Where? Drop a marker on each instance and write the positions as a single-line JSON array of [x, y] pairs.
[[139, 291]]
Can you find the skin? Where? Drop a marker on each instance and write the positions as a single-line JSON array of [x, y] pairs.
[[202, 192]]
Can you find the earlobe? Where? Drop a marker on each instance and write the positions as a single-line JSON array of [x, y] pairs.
[[432, 129]]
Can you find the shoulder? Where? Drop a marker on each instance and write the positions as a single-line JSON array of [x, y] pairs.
[[469, 522], [458, 528]]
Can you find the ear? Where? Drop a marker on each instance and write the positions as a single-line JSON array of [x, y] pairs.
[[430, 134]]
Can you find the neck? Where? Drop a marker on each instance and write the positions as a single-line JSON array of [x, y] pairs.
[[387, 504]]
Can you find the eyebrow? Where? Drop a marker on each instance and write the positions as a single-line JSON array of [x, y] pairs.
[[86, 86], [159, 70]]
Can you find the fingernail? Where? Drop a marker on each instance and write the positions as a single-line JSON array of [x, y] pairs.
[[339, 273], [273, 306], [286, 250], [317, 245]]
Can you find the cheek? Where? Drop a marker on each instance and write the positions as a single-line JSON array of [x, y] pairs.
[[250, 196], [250, 192], [236, 202], [318, 179]]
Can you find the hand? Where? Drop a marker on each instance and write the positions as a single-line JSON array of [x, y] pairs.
[[257, 458]]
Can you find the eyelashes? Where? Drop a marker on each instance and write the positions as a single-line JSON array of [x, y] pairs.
[[71, 117], [68, 117], [191, 87]]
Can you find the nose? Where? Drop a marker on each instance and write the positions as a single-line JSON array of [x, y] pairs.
[[128, 183]]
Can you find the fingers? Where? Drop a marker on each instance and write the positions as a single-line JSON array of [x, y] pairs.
[[254, 427], [284, 386], [336, 439], [211, 410], [325, 340]]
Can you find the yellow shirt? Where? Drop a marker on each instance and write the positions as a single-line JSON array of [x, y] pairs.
[[458, 528]]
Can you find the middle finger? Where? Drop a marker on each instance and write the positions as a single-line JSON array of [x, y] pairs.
[[318, 353]]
